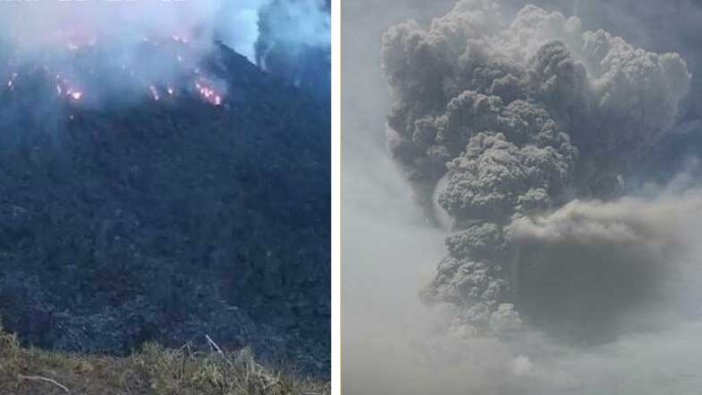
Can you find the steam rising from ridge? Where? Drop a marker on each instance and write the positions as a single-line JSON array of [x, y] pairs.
[[106, 50]]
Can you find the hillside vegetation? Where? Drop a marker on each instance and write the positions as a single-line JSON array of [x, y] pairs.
[[154, 370], [160, 221]]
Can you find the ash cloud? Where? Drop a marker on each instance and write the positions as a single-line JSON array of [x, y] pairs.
[[593, 270], [516, 117], [606, 228]]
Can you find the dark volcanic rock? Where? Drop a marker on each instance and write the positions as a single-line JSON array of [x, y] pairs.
[[168, 220]]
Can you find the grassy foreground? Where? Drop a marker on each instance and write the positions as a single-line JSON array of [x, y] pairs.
[[154, 370]]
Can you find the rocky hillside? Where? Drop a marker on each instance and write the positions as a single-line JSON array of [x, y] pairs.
[[164, 220]]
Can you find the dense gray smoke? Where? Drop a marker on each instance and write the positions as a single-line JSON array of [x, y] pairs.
[[594, 270], [657, 25], [605, 279], [512, 119]]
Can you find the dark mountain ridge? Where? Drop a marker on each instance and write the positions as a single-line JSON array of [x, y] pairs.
[[165, 220]]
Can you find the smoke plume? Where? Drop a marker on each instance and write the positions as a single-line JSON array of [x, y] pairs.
[[603, 283], [107, 51], [511, 119]]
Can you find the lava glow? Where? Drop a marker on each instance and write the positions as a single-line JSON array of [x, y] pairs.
[[11, 81], [65, 89], [154, 93], [75, 95], [173, 49], [208, 93]]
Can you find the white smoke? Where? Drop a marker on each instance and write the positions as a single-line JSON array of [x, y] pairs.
[[103, 50], [237, 25], [39, 26], [300, 23]]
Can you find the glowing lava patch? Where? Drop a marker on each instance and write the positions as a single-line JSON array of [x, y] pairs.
[[81, 67], [208, 93]]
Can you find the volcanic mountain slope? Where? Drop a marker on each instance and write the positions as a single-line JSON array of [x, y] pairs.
[[168, 218]]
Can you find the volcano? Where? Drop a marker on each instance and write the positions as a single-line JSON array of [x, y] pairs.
[[179, 213]]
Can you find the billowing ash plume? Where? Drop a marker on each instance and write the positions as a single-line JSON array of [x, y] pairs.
[[497, 121], [595, 269]]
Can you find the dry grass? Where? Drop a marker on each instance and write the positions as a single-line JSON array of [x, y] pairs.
[[154, 370]]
